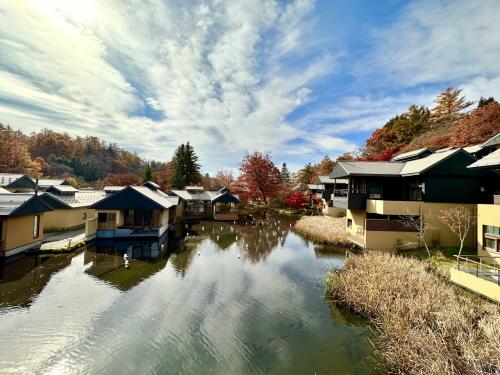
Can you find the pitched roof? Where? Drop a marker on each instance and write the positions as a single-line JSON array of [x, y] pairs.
[[493, 141], [21, 204], [63, 189], [473, 149], [489, 161], [8, 178], [81, 198], [4, 191], [157, 196], [113, 189], [410, 154], [47, 182], [135, 197], [366, 168], [421, 165], [325, 180]]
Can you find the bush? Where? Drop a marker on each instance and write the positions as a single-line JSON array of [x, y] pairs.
[[425, 325], [323, 229]]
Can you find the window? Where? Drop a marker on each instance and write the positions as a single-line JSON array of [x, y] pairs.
[[36, 226], [106, 217], [84, 216], [491, 238], [349, 223]]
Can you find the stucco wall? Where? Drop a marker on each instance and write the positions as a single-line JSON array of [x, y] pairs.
[[358, 220], [18, 231], [67, 218], [487, 214]]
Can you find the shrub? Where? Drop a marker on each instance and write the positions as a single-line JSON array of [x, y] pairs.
[[323, 229]]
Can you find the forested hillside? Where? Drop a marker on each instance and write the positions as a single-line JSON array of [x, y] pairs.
[[452, 122]]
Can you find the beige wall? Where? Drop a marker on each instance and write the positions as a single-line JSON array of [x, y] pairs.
[[439, 233], [68, 218], [18, 231], [487, 288], [163, 217], [487, 214]]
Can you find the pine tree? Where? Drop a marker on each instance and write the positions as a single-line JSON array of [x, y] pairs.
[[186, 167], [449, 105], [147, 173], [483, 101], [285, 173]]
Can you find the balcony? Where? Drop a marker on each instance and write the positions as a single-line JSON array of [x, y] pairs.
[[481, 274], [386, 207], [384, 225]]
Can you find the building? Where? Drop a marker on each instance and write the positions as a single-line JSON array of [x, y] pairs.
[[384, 197], [70, 206], [21, 222], [329, 187], [18, 183], [199, 204], [134, 211]]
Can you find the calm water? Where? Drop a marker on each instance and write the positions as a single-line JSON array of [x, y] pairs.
[[246, 300]]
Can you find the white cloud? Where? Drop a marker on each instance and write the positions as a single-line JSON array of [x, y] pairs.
[[150, 75]]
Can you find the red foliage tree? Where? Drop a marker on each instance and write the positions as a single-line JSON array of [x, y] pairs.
[[261, 175], [478, 126], [295, 199]]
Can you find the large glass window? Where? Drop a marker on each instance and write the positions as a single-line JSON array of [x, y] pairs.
[[491, 237]]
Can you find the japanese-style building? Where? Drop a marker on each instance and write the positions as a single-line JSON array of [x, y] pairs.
[[21, 222], [381, 194], [19, 183], [70, 206], [199, 204], [134, 211]]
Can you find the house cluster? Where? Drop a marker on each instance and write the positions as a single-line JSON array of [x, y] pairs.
[[31, 207], [381, 200]]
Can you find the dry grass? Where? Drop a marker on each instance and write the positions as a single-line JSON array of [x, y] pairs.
[[425, 325], [323, 229]]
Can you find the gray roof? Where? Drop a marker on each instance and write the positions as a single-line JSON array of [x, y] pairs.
[[391, 168], [64, 188], [366, 168], [489, 161], [113, 188], [10, 202], [421, 165], [4, 191], [196, 195], [410, 154], [325, 180], [81, 198], [316, 186], [157, 196], [493, 141], [7, 178], [47, 182], [197, 188], [473, 149]]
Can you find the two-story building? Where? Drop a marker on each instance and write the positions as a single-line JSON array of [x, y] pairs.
[[383, 197], [134, 212]]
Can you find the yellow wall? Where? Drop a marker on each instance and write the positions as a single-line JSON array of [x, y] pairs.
[[358, 221], [487, 214], [384, 207], [18, 231], [390, 240], [68, 218]]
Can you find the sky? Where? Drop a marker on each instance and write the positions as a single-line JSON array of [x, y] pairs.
[[301, 79]]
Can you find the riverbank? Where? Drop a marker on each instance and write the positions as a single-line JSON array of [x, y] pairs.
[[323, 229], [425, 324]]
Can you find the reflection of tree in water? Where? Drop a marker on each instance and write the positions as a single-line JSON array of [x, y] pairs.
[[24, 278], [182, 257], [327, 251]]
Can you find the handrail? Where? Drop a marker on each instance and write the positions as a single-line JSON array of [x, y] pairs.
[[480, 265]]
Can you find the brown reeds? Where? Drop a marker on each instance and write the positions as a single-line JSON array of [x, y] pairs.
[[323, 229], [425, 325]]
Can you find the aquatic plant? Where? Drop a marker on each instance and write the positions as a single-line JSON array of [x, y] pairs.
[[425, 324], [323, 229]]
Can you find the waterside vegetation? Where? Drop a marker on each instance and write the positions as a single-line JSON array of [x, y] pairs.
[[323, 229], [425, 325]]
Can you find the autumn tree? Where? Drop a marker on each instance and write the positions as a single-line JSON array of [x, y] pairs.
[[261, 175], [223, 178], [325, 166], [479, 125], [418, 226], [186, 167], [306, 175], [119, 179], [460, 220], [295, 199], [14, 155], [449, 105]]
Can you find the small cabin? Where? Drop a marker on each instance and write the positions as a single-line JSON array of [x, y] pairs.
[[21, 222], [200, 204]]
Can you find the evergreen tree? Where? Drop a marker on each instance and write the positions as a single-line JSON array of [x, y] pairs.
[[483, 101], [306, 175], [147, 173], [285, 173], [186, 167]]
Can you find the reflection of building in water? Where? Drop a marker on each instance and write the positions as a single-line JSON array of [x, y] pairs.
[[23, 278], [107, 258]]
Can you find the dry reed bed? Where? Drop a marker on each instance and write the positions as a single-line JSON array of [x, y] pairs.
[[323, 229], [425, 325]]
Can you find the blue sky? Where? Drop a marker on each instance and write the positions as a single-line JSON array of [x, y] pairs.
[[301, 79]]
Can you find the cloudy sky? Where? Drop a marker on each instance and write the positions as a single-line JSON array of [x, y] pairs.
[[301, 79]]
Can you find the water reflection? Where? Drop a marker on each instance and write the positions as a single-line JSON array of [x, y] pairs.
[[230, 300]]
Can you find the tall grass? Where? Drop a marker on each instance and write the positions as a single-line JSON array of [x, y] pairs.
[[323, 229], [425, 325]]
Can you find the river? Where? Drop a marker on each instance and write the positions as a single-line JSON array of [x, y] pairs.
[[229, 299]]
